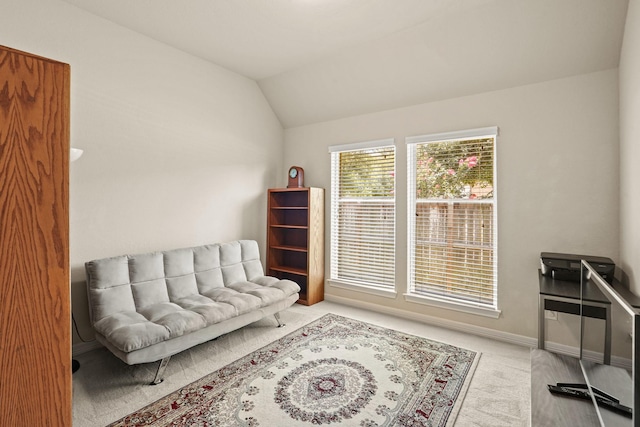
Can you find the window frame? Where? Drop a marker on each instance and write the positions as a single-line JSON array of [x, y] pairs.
[[384, 290], [453, 303]]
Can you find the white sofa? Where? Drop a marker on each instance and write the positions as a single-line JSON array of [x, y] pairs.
[[145, 308]]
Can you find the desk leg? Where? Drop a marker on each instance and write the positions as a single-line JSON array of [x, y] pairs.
[[607, 336], [541, 322]]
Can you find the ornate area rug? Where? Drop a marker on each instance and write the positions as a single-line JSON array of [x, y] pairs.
[[333, 371]]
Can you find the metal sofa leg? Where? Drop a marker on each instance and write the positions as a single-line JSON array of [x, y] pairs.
[[280, 324], [160, 372]]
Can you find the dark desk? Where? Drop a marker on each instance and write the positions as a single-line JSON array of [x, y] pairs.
[[564, 297], [548, 368]]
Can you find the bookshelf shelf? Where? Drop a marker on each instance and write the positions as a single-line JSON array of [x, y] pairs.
[[295, 239]]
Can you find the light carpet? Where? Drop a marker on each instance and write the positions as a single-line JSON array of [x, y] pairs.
[[335, 370]]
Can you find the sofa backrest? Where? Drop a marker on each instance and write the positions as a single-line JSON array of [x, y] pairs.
[[130, 282]]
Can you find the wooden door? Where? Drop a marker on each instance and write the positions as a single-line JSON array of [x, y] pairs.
[[35, 325]]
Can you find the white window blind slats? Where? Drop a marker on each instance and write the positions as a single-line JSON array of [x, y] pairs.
[[452, 234], [444, 274], [470, 226], [353, 242], [363, 215], [358, 272], [374, 260]]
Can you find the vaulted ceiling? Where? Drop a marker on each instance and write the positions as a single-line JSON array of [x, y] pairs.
[[318, 60]]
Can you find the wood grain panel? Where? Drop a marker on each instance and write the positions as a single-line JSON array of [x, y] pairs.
[[316, 246], [35, 333]]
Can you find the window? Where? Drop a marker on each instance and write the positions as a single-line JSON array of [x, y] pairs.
[[363, 217], [452, 220]]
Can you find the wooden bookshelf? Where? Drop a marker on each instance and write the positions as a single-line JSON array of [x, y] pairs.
[[295, 239]]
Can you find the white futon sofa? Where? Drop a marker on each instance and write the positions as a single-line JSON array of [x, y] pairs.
[[146, 308]]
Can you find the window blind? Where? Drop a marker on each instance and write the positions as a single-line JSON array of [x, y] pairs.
[[452, 217], [363, 214]]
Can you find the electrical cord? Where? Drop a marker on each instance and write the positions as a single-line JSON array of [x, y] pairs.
[[75, 326], [75, 365]]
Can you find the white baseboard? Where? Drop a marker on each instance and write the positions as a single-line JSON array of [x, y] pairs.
[[567, 350], [436, 321], [482, 332], [591, 356]]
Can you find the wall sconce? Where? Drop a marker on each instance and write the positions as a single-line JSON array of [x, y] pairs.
[[75, 154]]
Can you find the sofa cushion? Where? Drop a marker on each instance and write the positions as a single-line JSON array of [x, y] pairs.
[[231, 263], [251, 259], [182, 286], [146, 267], [210, 279], [241, 303], [109, 287], [288, 287], [212, 311], [107, 301], [149, 292], [108, 272], [206, 257], [174, 318], [137, 301], [267, 294], [129, 331], [179, 262], [206, 261]]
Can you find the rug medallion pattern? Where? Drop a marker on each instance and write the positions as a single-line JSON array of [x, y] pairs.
[[333, 371]]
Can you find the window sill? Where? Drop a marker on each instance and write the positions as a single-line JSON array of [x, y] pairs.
[[387, 293], [450, 305]]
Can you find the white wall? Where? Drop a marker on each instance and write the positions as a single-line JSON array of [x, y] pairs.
[[558, 181], [630, 149], [178, 152]]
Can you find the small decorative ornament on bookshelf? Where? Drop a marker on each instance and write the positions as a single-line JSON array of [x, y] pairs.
[[296, 177]]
